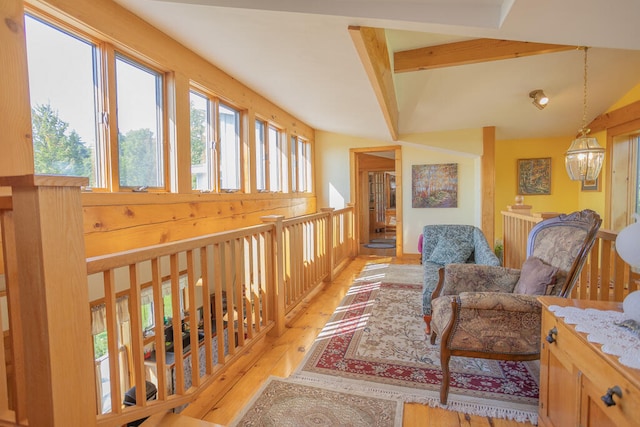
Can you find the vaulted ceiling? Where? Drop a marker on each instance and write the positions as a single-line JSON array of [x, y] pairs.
[[386, 68]]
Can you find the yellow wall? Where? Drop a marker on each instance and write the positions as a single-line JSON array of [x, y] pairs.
[[632, 96], [564, 192], [566, 195], [461, 147]]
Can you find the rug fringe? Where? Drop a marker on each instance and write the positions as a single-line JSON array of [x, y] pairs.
[[455, 403]]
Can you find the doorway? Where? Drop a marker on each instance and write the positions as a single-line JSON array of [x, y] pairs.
[[377, 190]]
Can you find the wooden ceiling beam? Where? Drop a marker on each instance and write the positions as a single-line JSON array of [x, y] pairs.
[[371, 45], [469, 52]]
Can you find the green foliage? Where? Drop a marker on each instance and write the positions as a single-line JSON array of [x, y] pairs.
[[198, 136], [56, 151], [100, 345], [138, 159]]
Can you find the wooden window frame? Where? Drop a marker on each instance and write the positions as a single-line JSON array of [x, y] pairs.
[[108, 179]]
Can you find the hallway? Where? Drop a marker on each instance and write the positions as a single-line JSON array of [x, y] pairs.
[[281, 356]]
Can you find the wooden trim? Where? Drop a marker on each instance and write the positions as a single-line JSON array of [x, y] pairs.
[[371, 45], [487, 180], [616, 117], [16, 143], [43, 181], [399, 204], [180, 156], [469, 52], [617, 129]]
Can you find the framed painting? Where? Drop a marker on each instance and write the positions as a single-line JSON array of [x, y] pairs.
[[534, 176], [434, 186], [590, 185]]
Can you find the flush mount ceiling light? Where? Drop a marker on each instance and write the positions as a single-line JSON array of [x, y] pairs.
[[540, 100], [584, 157]]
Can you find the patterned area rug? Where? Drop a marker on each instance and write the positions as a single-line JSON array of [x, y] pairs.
[[374, 342], [286, 403]]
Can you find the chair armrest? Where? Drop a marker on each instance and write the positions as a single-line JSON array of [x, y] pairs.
[[499, 301], [458, 278], [489, 323]]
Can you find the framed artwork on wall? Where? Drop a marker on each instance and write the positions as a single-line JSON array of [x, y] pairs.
[[434, 186], [590, 185], [534, 176]]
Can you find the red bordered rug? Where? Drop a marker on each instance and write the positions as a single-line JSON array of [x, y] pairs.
[[374, 342]]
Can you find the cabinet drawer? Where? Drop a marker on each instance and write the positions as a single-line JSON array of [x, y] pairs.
[[596, 376], [594, 413]]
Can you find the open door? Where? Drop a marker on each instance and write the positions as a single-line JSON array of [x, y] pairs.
[[377, 189]]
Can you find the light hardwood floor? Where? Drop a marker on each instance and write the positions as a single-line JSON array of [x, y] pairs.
[[281, 356]]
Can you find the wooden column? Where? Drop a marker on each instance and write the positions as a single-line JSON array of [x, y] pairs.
[[488, 183], [353, 246], [277, 302], [329, 243], [16, 145], [54, 302]]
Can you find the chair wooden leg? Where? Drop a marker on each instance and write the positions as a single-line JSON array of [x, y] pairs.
[[445, 356], [427, 321], [433, 338]]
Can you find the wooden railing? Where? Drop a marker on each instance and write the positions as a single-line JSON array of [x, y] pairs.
[[605, 276], [218, 294]]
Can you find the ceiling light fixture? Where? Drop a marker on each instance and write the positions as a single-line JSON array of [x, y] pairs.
[[540, 100], [584, 157]]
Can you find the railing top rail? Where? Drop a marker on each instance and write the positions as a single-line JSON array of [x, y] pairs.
[[533, 217], [343, 210], [120, 259], [607, 234], [304, 218]]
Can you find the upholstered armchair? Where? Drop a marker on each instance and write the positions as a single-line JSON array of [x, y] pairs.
[[450, 243], [492, 312]]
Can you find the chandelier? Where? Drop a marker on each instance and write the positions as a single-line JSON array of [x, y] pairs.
[[584, 157]]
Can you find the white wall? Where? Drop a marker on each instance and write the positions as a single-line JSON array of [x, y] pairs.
[[461, 147]]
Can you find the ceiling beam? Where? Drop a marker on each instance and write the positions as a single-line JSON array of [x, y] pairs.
[[371, 45], [469, 52], [614, 118]]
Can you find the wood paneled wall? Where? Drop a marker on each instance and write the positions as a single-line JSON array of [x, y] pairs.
[[114, 223]]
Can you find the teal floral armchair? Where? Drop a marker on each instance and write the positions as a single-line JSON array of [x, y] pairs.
[[444, 244], [492, 312]]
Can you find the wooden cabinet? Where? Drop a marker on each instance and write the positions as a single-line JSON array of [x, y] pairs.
[[575, 375]]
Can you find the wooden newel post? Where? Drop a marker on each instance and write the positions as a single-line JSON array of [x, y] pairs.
[[351, 230], [53, 305], [277, 302], [329, 243]]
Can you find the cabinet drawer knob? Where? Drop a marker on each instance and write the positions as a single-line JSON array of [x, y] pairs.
[[608, 398], [552, 334]]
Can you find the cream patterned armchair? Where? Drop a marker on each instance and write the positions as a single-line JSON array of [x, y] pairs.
[[492, 312]]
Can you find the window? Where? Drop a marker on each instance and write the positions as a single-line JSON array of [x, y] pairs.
[[229, 128], [261, 156], [63, 102], [71, 111], [146, 309], [275, 159], [271, 158], [216, 150], [139, 106], [201, 143], [625, 180], [100, 113], [300, 165]]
